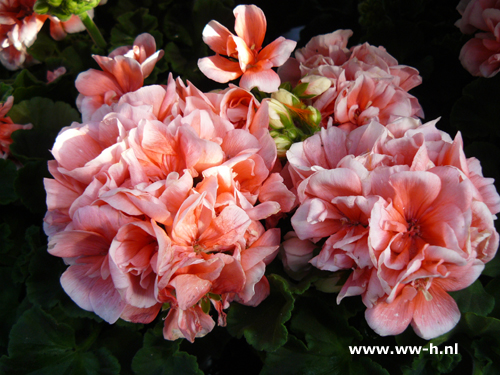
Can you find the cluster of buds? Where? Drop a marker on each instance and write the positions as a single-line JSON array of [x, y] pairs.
[[291, 118]]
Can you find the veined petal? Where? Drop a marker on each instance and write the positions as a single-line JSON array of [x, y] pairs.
[[278, 52], [435, 317], [250, 25], [219, 69], [392, 318], [215, 35], [265, 80]]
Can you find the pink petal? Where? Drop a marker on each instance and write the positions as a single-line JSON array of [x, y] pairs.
[[266, 80], [189, 289], [250, 25], [435, 317], [278, 51], [216, 35], [392, 318], [219, 69], [93, 294]]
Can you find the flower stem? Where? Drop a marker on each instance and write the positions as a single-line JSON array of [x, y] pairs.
[[94, 32]]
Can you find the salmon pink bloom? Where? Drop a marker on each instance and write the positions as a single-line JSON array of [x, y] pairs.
[[19, 26], [242, 54], [7, 127], [123, 71]]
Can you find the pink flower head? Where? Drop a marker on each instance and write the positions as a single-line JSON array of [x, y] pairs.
[[123, 71], [242, 54], [172, 184], [7, 127], [19, 26], [480, 56]]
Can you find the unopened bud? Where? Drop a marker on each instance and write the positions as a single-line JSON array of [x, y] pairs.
[[278, 114], [317, 85], [286, 97], [315, 115], [282, 142]]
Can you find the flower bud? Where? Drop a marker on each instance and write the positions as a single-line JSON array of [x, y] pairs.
[[283, 143], [315, 115], [317, 85], [285, 97], [278, 115]]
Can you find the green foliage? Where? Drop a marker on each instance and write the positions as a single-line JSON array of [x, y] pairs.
[[53, 349], [324, 347], [64, 9], [263, 325], [161, 357], [474, 299], [8, 173], [48, 118]]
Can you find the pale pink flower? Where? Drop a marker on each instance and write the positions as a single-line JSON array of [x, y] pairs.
[[59, 29], [480, 56], [52, 76], [123, 71], [19, 26], [242, 54], [191, 179], [7, 127], [84, 245], [403, 209], [367, 83], [424, 302]]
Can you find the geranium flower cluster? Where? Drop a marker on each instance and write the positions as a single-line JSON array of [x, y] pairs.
[[157, 199], [160, 197], [480, 56], [366, 82], [402, 209]]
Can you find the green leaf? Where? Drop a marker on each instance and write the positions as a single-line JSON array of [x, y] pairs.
[[5, 91], [29, 185], [263, 325], [323, 348], [131, 24], [44, 47], [476, 113], [429, 363], [161, 357], [174, 57], [474, 299], [493, 288], [486, 356], [27, 248], [476, 326], [48, 118], [43, 286], [8, 173], [295, 358], [52, 349], [11, 295]]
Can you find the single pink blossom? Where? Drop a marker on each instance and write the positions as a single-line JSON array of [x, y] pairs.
[[242, 54]]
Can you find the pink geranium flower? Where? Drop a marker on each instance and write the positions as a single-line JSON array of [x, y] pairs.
[[242, 54], [480, 56], [7, 127], [124, 70], [19, 26]]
